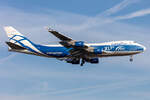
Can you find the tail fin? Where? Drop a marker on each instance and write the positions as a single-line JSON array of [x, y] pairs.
[[18, 41], [16, 38], [11, 31]]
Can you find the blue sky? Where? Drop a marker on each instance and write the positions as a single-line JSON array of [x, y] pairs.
[[31, 77]]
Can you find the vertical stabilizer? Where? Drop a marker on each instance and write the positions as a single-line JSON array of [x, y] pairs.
[[13, 35], [18, 41], [11, 31]]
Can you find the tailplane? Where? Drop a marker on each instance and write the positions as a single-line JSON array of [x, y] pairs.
[[15, 46]]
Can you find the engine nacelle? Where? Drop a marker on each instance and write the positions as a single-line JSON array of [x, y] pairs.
[[94, 60], [97, 51], [73, 61], [79, 44]]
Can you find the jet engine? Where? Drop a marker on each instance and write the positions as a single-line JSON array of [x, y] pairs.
[[79, 44], [97, 51], [73, 43], [73, 61], [92, 60]]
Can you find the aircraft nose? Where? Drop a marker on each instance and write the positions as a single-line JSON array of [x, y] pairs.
[[141, 48], [144, 48]]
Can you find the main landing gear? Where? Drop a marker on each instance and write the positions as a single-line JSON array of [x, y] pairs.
[[131, 58], [82, 62]]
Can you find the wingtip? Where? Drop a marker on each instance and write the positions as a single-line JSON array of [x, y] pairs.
[[5, 27], [49, 28]]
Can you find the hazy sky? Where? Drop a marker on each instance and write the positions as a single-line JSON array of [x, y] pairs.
[[27, 77]]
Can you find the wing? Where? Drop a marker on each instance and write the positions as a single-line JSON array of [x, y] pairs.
[[58, 35], [77, 48]]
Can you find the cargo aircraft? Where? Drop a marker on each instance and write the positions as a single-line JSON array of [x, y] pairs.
[[72, 51]]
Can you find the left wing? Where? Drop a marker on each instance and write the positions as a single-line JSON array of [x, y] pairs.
[[78, 48], [58, 35]]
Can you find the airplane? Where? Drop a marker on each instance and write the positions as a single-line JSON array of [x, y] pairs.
[[71, 51]]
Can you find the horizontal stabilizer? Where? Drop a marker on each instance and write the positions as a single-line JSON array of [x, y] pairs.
[[15, 46]]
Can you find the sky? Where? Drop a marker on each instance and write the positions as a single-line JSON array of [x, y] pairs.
[[30, 77]]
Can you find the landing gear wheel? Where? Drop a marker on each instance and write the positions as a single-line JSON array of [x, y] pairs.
[[83, 62], [131, 58]]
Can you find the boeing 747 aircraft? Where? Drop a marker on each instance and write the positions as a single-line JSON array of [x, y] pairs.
[[72, 51]]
